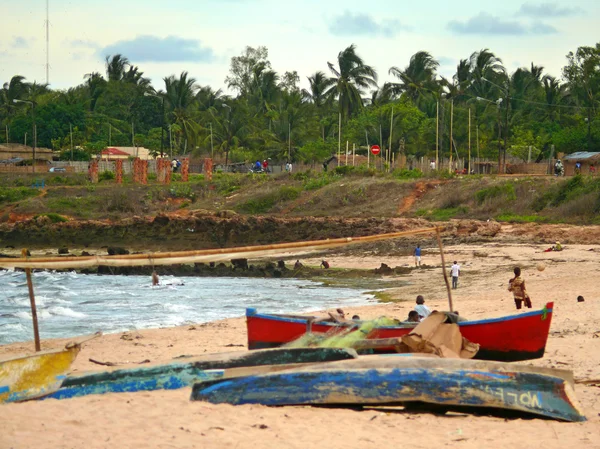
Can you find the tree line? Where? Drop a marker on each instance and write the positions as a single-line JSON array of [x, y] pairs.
[[269, 115]]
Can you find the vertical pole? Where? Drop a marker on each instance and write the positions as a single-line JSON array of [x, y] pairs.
[[437, 135], [212, 148], [439, 240], [347, 143], [36, 332], [162, 128], [289, 141], [469, 165], [368, 149], [47, 42], [171, 140], [34, 134], [529, 155], [505, 130], [109, 135], [391, 132], [339, 138], [353, 153], [71, 132], [382, 148], [451, 125]]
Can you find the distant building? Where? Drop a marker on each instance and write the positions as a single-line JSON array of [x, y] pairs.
[[585, 158], [16, 151], [114, 153]]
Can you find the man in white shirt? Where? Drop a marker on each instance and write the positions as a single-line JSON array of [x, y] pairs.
[[455, 271], [421, 308]]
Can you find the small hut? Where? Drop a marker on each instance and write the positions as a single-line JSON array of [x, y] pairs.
[[587, 160]]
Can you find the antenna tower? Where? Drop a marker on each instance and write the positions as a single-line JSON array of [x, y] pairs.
[[47, 41]]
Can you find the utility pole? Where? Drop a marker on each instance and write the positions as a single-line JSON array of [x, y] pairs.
[[339, 138], [368, 149], [437, 135], [469, 164], [451, 125], [162, 128], [505, 129], [391, 132], [71, 132], [212, 149], [289, 141]]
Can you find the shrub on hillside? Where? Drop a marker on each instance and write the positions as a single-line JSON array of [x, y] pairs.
[[14, 194], [506, 190], [106, 175]]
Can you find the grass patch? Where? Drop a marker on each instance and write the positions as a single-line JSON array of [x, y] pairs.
[[442, 214], [384, 296], [506, 190], [264, 203], [514, 218], [14, 194], [407, 174], [54, 218]]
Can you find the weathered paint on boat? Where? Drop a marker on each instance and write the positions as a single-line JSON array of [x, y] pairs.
[[173, 376], [36, 375], [403, 380], [511, 338]]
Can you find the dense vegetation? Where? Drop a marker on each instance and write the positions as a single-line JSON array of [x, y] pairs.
[[270, 116]]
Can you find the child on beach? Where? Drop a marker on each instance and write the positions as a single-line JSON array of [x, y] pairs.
[[517, 286]]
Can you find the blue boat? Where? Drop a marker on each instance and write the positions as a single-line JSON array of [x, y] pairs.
[[397, 379], [177, 375]]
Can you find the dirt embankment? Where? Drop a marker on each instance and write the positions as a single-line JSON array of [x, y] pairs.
[[206, 230]]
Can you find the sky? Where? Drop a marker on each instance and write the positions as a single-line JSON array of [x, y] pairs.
[[201, 36]]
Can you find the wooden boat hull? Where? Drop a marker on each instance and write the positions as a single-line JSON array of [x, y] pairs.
[[173, 376], [510, 339], [445, 382], [35, 375]]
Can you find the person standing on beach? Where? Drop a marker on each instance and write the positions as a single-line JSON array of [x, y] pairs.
[[455, 272], [417, 253], [517, 286]]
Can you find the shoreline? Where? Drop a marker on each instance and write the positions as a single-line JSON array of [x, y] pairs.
[[155, 419]]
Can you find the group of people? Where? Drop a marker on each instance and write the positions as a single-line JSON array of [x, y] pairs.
[[261, 166], [175, 165]]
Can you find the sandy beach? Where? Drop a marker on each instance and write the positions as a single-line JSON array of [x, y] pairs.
[[168, 419]]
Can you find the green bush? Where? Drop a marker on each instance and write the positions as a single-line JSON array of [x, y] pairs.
[[14, 194], [318, 181], [106, 175], [264, 203], [507, 190], [344, 170], [182, 190], [176, 177], [55, 218], [407, 174]]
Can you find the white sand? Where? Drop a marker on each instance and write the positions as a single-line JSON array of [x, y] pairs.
[[167, 419]]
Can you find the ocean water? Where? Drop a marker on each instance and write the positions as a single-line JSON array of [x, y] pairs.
[[70, 304]]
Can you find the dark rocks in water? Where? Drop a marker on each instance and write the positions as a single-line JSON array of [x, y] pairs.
[[383, 269], [7, 256], [276, 273], [281, 264], [270, 266], [221, 265], [117, 251], [63, 250], [85, 253], [211, 264], [242, 264]]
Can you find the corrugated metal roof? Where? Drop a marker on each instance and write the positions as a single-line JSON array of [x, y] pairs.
[[581, 155]]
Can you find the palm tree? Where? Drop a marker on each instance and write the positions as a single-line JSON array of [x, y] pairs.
[[115, 67], [485, 67], [229, 129], [351, 78], [180, 98], [15, 89], [418, 79], [95, 85], [554, 94], [318, 96]]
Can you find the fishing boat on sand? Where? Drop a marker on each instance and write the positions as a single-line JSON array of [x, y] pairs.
[[400, 379], [36, 375], [509, 339], [172, 376]]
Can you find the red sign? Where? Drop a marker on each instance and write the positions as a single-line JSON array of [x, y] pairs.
[[375, 150]]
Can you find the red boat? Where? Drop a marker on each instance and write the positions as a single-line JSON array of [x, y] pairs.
[[510, 339]]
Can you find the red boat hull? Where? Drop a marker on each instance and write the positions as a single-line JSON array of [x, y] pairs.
[[512, 338]]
